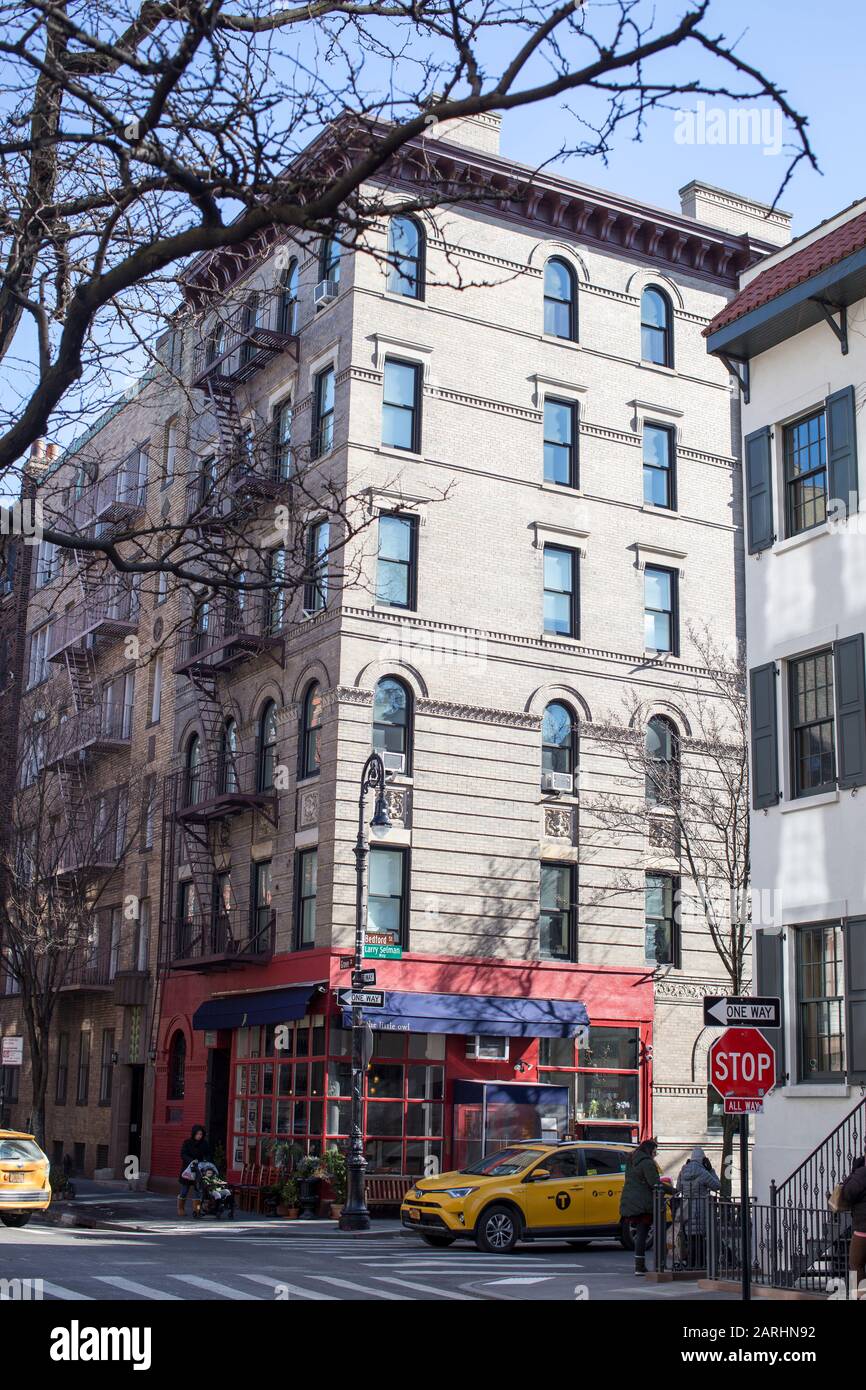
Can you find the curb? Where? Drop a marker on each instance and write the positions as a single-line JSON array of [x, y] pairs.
[[142, 1225]]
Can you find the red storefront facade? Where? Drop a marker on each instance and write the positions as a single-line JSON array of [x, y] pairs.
[[250, 1092]]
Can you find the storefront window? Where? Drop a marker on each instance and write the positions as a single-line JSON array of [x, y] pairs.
[[279, 1091], [601, 1072]]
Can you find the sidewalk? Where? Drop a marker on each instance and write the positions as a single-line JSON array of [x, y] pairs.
[[114, 1207]]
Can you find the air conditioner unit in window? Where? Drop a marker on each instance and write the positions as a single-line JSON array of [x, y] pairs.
[[325, 293], [394, 762], [557, 782]]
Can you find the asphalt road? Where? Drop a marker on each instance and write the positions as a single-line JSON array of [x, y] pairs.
[[250, 1262]]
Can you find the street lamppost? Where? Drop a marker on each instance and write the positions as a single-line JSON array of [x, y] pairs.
[[355, 1216]]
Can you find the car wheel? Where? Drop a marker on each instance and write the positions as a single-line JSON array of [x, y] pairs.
[[498, 1231], [579, 1244], [15, 1218], [438, 1242]]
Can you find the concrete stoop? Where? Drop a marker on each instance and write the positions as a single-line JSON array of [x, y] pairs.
[[762, 1291]]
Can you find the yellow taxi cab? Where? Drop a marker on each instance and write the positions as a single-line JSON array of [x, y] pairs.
[[528, 1191], [24, 1185]]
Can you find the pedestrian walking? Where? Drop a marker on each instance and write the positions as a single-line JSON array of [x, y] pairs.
[[196, 1147], [642, 1177], [854, 1194], [696, 1181]]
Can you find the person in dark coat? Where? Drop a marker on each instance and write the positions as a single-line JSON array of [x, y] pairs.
[[696, 1181], [854, 1193], [642, 1177], [195, 1147]]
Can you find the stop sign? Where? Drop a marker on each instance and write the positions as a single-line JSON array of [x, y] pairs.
[[742, 1064]]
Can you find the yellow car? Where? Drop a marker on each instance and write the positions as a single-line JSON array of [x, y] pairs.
[[532, 1191], [24, 1185]]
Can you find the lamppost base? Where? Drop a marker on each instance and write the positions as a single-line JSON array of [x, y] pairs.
[[354, 1221]]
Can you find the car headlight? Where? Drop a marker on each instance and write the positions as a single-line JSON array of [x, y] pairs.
[[459, 1191]]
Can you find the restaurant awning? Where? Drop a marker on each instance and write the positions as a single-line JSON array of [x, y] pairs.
[[244, 1010], [477, 1013]]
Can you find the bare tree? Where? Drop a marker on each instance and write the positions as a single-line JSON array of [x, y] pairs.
[[142, 138], [691, 800]]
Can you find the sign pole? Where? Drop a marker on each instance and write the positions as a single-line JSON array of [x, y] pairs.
[[745, 1210]]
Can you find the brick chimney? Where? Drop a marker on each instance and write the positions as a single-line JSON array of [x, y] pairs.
[[717, 207]]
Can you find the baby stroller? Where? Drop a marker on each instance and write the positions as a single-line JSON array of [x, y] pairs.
[[214, 1197]]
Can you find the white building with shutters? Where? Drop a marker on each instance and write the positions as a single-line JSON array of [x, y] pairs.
[[796, 337]]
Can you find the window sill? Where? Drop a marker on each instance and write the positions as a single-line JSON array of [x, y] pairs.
[[652, 510], [389, 451], [803, 803], [802, 538], [391, 608], [561, 488], [812, 1090], [561, 637], [657, 367], [309, 781], [559, 342]]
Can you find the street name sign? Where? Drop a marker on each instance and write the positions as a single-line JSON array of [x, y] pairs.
[[346, 962], [361, 978], [361, 998], [727, 1010], [742, 1065]]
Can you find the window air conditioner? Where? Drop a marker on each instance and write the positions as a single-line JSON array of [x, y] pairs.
[[394, 762], [557, 782], [325, 293]]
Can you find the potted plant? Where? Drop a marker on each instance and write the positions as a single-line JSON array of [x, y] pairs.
[[287, 1205], [334, 1164], [309, 1178]]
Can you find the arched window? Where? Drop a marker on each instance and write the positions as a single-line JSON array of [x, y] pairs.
[[193, 770], [289, 299], [391, 724], [311, 729], [560, 300], [329, 260], [656, 332], [267, 746], [662, 746], [177, 1067], [228, 771], [558, 741], [406, 257]]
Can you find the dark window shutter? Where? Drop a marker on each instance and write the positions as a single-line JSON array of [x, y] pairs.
[[759, 490], [768, 948], [765, 742], [855, 997], [842, 449], [850, 673]]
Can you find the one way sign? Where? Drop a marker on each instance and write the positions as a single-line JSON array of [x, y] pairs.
[[724, 1011]]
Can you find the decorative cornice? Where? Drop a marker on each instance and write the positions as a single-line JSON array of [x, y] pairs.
[[444, 393], [445, 709], [346, 695], [687, 991]]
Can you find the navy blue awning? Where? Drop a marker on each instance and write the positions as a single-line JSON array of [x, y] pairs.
[[243, 1010], [477, 1013]]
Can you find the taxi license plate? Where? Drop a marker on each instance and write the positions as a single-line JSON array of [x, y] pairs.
[[414, 1215], [15, 1177]]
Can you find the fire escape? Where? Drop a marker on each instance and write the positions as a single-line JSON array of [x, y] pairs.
[[206, 926]]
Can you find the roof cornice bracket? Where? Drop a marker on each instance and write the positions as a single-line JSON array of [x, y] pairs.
[[739, 368], [841, 328]]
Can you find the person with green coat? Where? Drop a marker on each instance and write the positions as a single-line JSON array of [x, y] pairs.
[[642, 1177]]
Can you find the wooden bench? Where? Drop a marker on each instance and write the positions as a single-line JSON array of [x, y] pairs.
[[387, 1191]]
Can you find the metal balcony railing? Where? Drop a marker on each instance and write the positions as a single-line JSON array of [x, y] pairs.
[[89, 849], [102, 727], [238, 343], [88, 967], [225, 785], [104, 615], [228, 630], [109, 501], [220, 940], [229, 485]]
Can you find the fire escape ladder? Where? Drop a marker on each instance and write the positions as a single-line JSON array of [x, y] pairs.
[[81, 666]]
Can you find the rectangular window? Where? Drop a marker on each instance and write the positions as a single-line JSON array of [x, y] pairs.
[[821, 1003], [388, 894], [660, 610], [148, 812], [62, 1081], [658, 466], [106, 1066], [323, 412], [170, 465], [142, 936], [556, 925], [487, 1047], [156, 690], [282, 439], [396, 568], [275, 597], [316, 585], [307, 868], [806, 473], [9, 1079], [560, 446], [810, 680], [114, 941], [83, 1087], [401, 406], [37, 671], [47, 563], [261, 923], [662, 933], [560, 591]]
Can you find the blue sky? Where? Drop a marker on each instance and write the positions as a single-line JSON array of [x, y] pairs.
[[814, 51]]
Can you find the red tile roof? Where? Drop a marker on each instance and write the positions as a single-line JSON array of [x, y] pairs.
[[793, 270]]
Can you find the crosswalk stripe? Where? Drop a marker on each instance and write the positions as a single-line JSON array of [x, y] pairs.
[[423, 1288], [292, 1288], [211, 1286], [58, 1291], [360, 1288], [130, 1286]]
